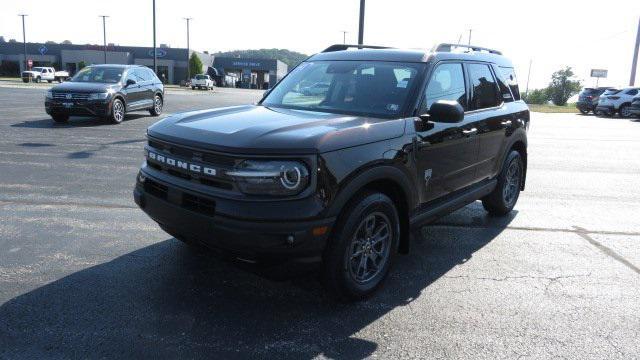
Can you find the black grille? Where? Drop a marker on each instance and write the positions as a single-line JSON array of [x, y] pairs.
[[184, 152], [156, 189], [198, 204], [218, 161]]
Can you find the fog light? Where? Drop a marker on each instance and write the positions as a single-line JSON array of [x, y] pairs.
[[291, 239]]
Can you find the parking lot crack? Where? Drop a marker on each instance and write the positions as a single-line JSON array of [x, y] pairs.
[[585, 234]]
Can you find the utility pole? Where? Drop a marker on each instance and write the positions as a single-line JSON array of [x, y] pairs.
[[361, 27], [344, 36], [104, 35], [634, 63], [469, 43], [155, 67], [528, 76], [188, 64], [24, 41]]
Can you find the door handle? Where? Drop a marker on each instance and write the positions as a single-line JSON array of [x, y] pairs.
[[470, 132], [506, 123]]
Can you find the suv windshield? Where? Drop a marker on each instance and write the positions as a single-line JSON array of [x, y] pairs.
[[347, 87], [99, 75]]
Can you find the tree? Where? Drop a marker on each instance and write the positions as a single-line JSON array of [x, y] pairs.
[[81, 65], [2, 40], [195, 64], [563, 86], [537, 96], [66, 42]]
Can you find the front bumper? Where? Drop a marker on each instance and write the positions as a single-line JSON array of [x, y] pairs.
[[607, 109], [78, 107], [634, 109], [193, 216]]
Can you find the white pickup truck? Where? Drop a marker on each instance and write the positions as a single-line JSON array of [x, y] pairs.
[[201, 81], [40, 73]]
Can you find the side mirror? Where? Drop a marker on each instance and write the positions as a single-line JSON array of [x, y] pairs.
[[445, 111], [130, 82]]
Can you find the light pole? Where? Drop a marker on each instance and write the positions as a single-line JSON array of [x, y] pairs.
[[155, 67], [24, 40], [634, 62], [344, 36], [188, 65], [469, 43], [361, 27], [104, 35]]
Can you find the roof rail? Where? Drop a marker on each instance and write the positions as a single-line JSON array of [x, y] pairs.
[[340, 47], [449, 47]]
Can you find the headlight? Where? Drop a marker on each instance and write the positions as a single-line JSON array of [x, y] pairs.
[[99, 96], [49, 94], [271, 177]]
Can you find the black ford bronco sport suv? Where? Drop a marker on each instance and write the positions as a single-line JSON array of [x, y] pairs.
[[342, 176]]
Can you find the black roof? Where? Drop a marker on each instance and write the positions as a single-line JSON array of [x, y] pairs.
[[407, 55]]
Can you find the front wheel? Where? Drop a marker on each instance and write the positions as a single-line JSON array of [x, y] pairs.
[[583, 111], [156, 110], [38, 79], [504, 197], [363, 246], [117, 111]]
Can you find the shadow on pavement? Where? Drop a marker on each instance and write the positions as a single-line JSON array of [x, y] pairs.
[[165, 301], [74, 121]]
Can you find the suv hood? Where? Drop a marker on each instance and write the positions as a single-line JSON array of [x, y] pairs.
[[254, 129], [70, 86]]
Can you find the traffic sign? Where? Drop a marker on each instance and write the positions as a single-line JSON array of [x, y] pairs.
[[599, 73], [43, 49]]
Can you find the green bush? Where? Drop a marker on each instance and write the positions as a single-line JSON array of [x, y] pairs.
[[537, 96]]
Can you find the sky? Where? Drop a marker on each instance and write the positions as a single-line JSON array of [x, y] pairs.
[[582, 34]]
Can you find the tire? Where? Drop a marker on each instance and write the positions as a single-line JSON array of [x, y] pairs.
[[38, 79], [583, 112], [49, 81], [624, 111], [117, 111], [60, 118], [354, 247], [156, 110], [25, 80], [193, 88], [60, 80], [504, 197]]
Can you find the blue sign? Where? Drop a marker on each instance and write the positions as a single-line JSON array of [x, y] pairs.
[[43, 49], [159, 53]]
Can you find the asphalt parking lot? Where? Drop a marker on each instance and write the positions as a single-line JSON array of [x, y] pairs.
[[85, 274]]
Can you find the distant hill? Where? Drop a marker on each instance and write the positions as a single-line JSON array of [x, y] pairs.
[[291, 58]]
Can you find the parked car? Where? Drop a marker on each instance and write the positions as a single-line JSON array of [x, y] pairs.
[[400, 138], [107, 91], [202, 81], [588, 99], [614, 101], [634, 109], [39, 73]]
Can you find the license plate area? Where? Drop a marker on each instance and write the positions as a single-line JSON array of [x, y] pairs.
[[67, 104]]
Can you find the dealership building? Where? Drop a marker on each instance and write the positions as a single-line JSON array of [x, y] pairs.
[[171, 62]]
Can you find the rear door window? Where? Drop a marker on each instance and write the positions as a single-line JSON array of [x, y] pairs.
[[484, 87]]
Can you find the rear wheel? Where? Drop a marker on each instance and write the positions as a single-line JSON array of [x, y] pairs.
[[504, 197], [156, 110], [193, 88], [583, 111], [117, 111], [625, 111], [60, 118], [363, 246]]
